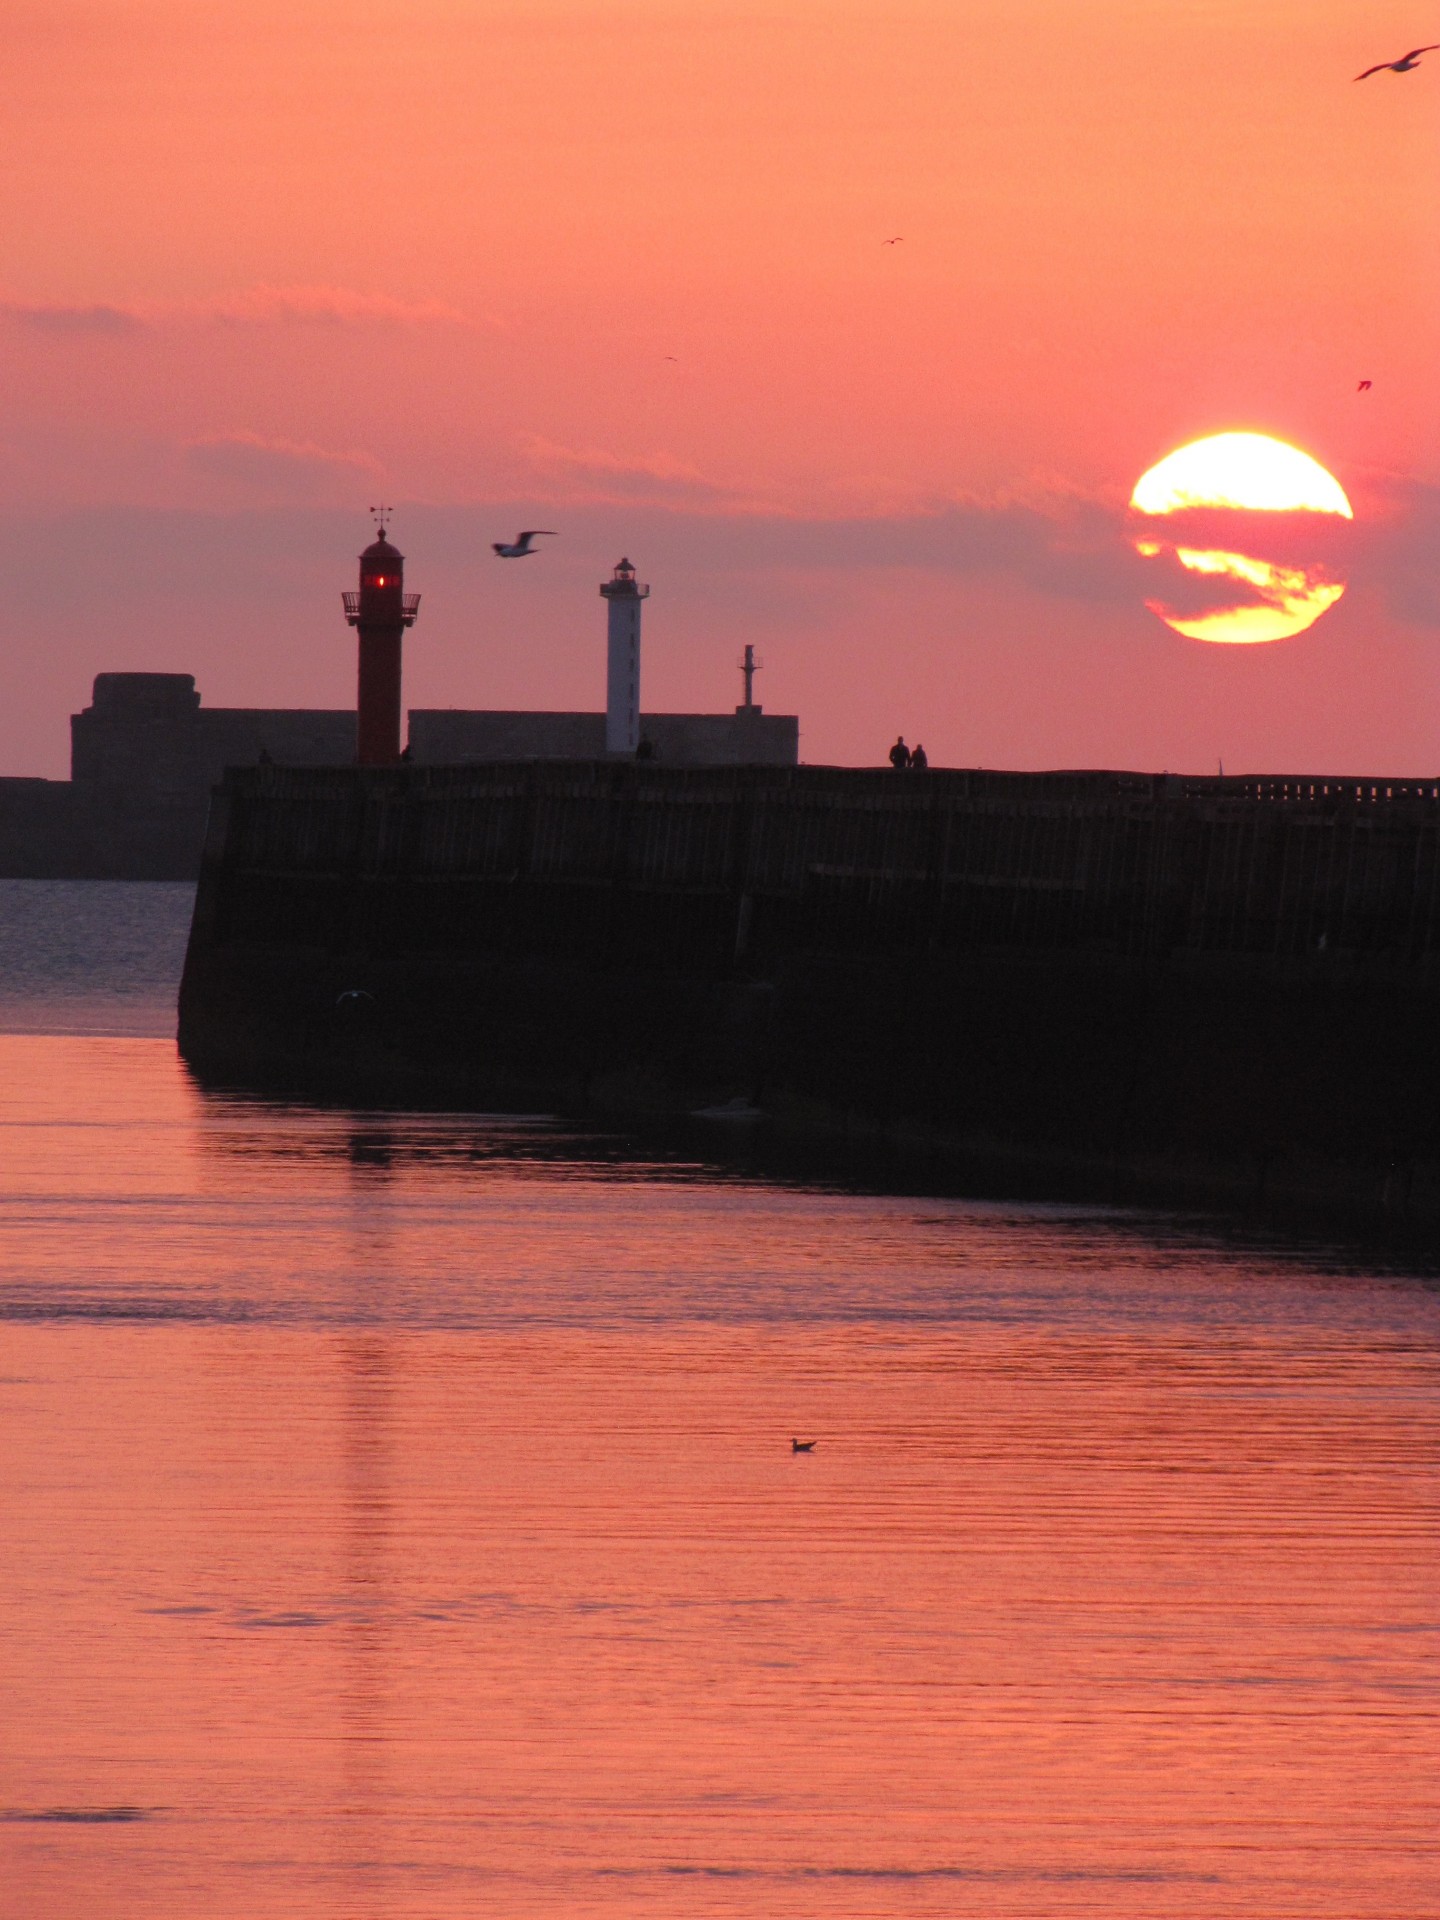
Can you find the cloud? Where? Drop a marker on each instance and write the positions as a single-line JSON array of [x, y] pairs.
[[318, 306], [273, 466], [1203, 561], [100, 318], [258, 306], [1398, 538], [1070, 546], [1069, 549], [1059, 542], [1078, 547], [656, 480]]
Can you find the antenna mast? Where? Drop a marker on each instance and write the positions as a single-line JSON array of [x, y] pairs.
[[749, 666]]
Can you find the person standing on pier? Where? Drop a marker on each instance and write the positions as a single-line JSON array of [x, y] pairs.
[[900, 754]]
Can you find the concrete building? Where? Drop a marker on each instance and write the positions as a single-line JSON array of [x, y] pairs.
[[147, 734], [42, 832], [441, 736], [144, 758]]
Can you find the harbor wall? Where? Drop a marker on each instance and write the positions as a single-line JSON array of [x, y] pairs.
[[449, 736], [145, 756], [1231, 986]]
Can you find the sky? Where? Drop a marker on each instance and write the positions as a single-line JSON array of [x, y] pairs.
[[621, 271]]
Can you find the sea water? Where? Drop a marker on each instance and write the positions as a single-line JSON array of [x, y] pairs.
[[399, 1517]]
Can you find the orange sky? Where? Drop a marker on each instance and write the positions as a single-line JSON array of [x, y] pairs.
[[267, 262]]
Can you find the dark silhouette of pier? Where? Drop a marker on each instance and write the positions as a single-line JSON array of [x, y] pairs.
[[1239, 977]]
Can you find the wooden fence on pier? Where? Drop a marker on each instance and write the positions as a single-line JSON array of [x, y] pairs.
[[712, 867]]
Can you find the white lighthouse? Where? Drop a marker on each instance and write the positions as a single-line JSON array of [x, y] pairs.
[[622, 689]]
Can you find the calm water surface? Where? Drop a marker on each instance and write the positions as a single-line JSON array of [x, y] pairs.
[[399, 1518]]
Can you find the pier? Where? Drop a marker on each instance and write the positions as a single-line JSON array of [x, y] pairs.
[[1234, 977]]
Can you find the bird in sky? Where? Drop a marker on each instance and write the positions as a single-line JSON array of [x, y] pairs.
[[518, 549], [1404, 65], [1364, 387], [896, 241]]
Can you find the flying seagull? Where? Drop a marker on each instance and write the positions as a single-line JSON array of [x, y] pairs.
[[518, 549], [1364, 387], [1411, 59], [896, 241]]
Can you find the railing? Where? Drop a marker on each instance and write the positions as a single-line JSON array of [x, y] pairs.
[[409, 608]]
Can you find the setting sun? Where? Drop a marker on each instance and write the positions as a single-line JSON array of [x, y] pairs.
[[1239, 474], [1240, 470]]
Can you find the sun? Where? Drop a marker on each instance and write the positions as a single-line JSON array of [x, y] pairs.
[[1210, 490], [1240, 470]]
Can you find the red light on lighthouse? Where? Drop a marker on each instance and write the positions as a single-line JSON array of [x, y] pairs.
[[380, 613]]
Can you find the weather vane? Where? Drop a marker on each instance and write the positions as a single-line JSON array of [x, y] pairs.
[[382, 514]]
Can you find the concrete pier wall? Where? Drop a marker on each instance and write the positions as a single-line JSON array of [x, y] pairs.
[[1235, 980]]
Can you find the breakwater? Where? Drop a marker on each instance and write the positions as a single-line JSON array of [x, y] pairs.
[[1226, 986]]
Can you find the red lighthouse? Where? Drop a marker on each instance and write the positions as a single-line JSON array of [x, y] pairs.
[[380, 611]]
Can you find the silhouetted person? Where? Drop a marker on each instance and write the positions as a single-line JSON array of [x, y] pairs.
[[918, 761], [900, 754], [645, 750]]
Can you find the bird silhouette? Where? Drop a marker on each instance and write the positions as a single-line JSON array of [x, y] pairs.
[[519, 549], [896, 241], [1364, 387], [1403, 65], [801, 1446]]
